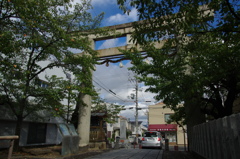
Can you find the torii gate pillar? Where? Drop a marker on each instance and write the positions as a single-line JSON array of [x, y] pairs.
[[84, 118]]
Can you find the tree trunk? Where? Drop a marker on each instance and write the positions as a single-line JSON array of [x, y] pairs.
[[74, 119], [75, 115], [18, 129], [194, 116], [232, 95]]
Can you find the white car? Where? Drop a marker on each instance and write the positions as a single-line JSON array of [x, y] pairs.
[[152, 139]]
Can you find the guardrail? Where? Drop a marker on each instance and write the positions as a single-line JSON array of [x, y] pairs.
[[11, 138]]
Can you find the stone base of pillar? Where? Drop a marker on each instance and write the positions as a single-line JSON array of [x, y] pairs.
[[97, 145], [83, 148]]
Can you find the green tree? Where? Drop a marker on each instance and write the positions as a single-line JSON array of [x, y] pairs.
[[111, 110], [69, 90], [178, 117], [198, 63], [37, 36]]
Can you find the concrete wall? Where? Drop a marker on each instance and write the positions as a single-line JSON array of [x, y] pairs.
[[217, 139]]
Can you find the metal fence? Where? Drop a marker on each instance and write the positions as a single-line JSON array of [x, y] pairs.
[[217, 139]]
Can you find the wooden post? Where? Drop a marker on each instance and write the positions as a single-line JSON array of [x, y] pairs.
[[11, 138]]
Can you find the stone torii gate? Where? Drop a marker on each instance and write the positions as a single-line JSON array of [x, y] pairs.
[[122, 30]]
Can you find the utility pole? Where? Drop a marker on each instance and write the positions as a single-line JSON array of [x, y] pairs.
[[135, 96]]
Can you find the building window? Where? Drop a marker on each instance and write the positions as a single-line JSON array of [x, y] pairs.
[[167, 117], [116, 119], [41, 83]]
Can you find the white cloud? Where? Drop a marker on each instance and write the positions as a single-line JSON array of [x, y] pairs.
[[117, 80], [133, 14], [123, 18], [75, 51], [130, 114], [103, 2], [111, 43]]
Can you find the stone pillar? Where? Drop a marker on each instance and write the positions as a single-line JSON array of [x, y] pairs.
[[84, 122], [123, 129], [129, 41], [84, 118]]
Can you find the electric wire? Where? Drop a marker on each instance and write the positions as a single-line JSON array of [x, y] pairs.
[[100, 81], [109, 91]]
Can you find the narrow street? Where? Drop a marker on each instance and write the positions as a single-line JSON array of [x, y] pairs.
[[130, 154]]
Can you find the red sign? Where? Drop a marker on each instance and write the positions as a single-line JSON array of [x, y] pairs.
[[162, 127]]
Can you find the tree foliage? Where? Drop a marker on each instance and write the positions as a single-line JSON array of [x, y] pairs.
[[111, 110], [200, 56], [178, 117], [35, 37]]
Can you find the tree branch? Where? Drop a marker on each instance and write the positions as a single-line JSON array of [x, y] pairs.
[[231, 10]]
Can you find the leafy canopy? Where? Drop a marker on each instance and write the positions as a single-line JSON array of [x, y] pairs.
[[35, 37], [200, 55], [111, 110]]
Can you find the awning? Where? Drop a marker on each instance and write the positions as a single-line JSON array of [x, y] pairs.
[[162, 127]]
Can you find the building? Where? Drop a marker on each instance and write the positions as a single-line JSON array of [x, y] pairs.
[[40, 127], [113, 129], [34, 131], [139, 130], [158, 117], [98, 127]]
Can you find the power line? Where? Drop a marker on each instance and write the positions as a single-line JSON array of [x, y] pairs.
[[109, 91], [101, 82]]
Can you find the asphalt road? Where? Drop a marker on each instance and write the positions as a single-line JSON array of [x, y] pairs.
[[130, 154]]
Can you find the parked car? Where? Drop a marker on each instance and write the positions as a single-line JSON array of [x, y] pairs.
[[131, 139], [152, 139]]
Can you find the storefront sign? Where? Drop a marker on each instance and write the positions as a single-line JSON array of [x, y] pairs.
[[162, 127]]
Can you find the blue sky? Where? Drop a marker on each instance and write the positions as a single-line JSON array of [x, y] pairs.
[[113, 15]]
